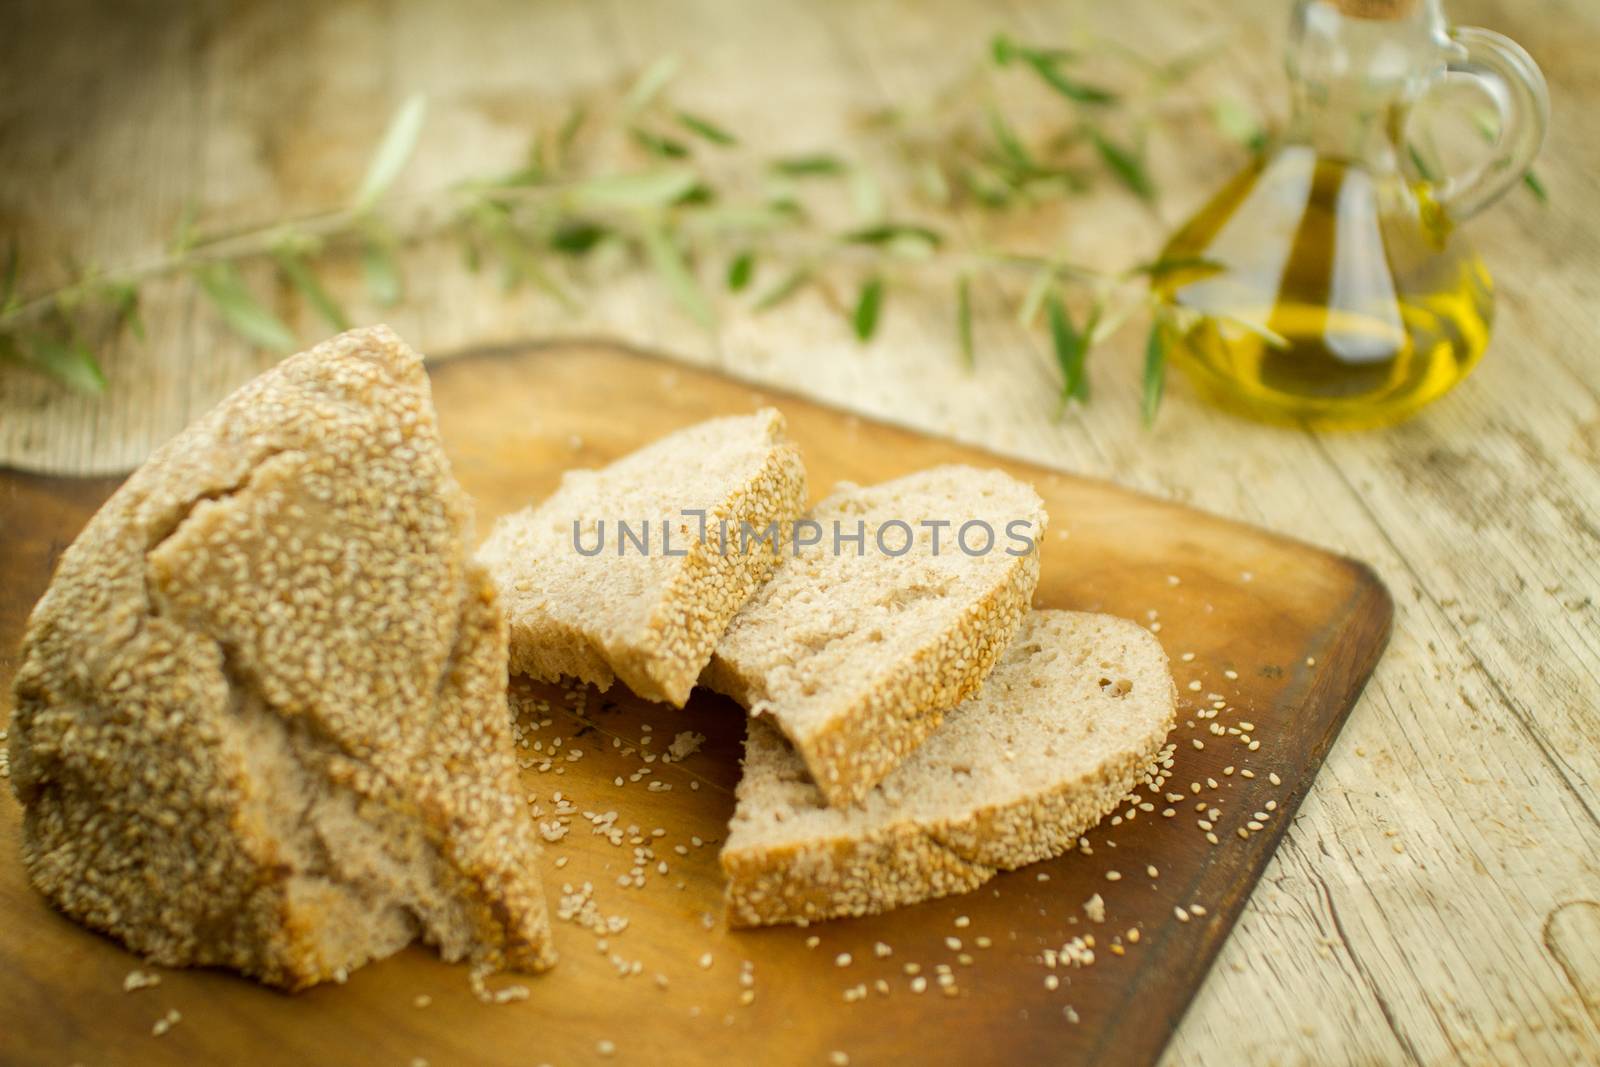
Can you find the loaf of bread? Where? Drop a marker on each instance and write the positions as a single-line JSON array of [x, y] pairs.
[[855, 649], [261, 717], [1064, 728], [588, 600]]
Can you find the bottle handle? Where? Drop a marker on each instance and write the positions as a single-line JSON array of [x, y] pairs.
[[1509, 76]]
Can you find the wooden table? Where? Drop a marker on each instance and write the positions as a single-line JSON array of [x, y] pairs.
[[1438, 897]]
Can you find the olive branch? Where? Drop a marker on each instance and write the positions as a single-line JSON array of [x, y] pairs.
[[687, 193]]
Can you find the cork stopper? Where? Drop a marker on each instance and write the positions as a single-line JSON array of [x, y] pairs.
[[1376, 10]]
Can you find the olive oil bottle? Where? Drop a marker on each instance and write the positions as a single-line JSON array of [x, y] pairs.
[[1325, 285]]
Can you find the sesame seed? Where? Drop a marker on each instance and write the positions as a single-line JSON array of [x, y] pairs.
[[705, 962], [606, 1048], [1113, 876], [842, 960]]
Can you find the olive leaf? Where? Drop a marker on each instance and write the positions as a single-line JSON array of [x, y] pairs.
[[293, 266], [381, 271], [226, 289], [787, 287], [650, 189], [68, 362], [668, 261], [869, 303], [741, 270], [1125, 164], [8, 276], [706, 129], [1070, 347], [650, 83], [1155, 369], [659, 145], [886, 232], [399, 141], [1047, 64], [964, 320], [809, 166], [1237, 123]]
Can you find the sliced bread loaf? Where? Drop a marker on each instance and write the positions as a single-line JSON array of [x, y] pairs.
[[855, 650], [650, 603], [1065, 727], [261, 717]]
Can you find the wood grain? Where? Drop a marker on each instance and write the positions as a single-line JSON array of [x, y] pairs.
[[1300, 629], [1477, 746]]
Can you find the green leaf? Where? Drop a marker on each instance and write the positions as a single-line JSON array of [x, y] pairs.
[[1155, 369], [299, 274], [657, 145], [868, 305], [1047, 65], [866, 195], [1070, 347], [650, 83], [1010, 144], [707, 129], [791, 284], [674, 270], [568, 134], [124, 300], [399, 141], [1127, 166], [885, 232], [1002, 49], [809, 166], [382, 272], [8, 276], [964, 320], [577, 237], [741, 270], [650, 189], [1236, 122], [223, 285], [1536, 187], [69, 362], [1033, 299]]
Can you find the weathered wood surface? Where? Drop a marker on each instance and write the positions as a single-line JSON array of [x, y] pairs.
[[1297, 628], [1477, 742]]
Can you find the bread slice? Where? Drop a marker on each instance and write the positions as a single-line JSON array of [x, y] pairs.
[[641, 614], [855, 657], [261, 717], [1075, 714]]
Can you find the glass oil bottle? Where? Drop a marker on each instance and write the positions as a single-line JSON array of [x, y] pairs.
[[1327, 285]]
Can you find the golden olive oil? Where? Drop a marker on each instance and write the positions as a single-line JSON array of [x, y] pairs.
[[1308, 291]]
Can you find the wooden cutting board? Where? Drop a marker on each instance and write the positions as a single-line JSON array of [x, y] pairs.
[[1283, 633]]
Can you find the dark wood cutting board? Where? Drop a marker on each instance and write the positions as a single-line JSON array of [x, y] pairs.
[[1285, 634]]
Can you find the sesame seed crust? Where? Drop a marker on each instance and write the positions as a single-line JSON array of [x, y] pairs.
[[651, 621], [261, 718], [885, 703], [790, 859]]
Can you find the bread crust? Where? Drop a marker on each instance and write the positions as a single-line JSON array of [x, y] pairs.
[[853, 872], [261, 719], [703, 589]]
